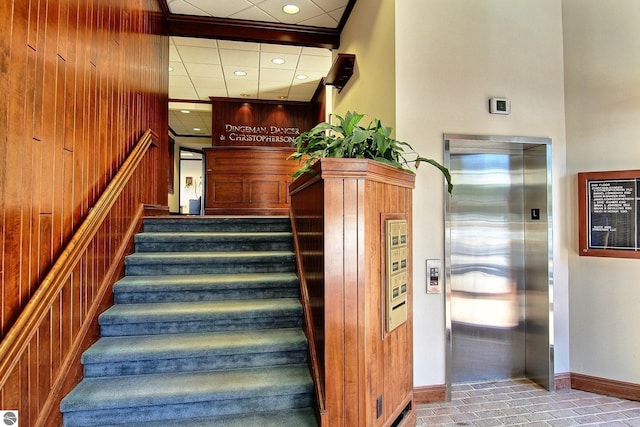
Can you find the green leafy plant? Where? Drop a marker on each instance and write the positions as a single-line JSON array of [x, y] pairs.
[[348, 139]]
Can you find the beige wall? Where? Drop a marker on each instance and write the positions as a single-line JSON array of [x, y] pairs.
[[451, 56], [602, 81], [369, 34]]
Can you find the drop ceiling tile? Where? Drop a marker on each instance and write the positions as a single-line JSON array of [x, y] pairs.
[[267, 85], [235, 45], [178, 69], [252, 74], [279, 48], [276, 75], [330, 5], [337, 14], [205, 92], [198, 55], [299, 97], [194, 41], [323, 20], [182, 93], [239, 58], [181, 81], [221, 8], [291, 61], [254, 14], [308, 87], [320, 64], [316, 51], [275, 95], [235, 86], [181, 7], [213, 71], [207, 82], [308, 10], [173, 53]]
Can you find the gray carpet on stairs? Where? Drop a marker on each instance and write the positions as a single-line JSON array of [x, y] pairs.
[[205, 331]]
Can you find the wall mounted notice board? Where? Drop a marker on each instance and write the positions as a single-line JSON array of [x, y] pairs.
[[608, 209]]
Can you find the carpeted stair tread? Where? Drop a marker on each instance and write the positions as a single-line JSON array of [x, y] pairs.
[[162, 312], [139, 391], [291, 418], [159, 263], [197, 282], [212, 241], [205, 331], [150, 347], [218, 223], [191, 257]]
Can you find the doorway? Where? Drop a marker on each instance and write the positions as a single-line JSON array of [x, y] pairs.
[[498, 259], [191, 184]]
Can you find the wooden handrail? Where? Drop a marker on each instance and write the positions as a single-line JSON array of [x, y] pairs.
[[308, 324], [27, 323]]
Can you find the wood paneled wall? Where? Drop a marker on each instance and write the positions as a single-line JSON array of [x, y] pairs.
[[81, 82], [259, 122], [248, 180]]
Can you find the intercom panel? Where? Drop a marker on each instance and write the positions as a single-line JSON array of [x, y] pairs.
[[397, 260]]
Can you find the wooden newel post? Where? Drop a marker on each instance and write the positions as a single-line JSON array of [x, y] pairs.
[[342, 215]]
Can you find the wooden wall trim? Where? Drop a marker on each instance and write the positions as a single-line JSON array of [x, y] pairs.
[[619, 389], [252, 31], [354, 168], [38, 306], [55, 394], [430, 394]]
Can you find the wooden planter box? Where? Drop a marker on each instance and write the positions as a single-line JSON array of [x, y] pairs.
[[364, 372]]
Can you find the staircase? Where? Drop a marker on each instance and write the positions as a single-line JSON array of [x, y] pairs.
[[205, 331]]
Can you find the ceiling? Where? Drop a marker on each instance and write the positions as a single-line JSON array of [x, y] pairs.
[[213, 40], [315, 13]]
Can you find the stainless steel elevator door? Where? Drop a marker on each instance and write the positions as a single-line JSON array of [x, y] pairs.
[[498, 259], [487, 262]]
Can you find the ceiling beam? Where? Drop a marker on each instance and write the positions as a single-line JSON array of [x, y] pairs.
[[252, 31]]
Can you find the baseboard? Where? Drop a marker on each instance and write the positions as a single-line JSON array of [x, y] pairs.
[[156, 210], [430, 394], [562, 381], [619, 389]]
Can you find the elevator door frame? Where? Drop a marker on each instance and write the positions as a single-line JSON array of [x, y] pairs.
[[539, 358]]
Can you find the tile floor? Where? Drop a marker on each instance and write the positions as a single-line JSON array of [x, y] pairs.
[[520, 402]]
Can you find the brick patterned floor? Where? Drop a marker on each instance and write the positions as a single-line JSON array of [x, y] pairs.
[[520, 402]]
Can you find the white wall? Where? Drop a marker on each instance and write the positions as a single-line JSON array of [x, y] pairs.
[[602, 82], [451, 56]]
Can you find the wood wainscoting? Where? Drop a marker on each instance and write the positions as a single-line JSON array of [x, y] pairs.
[[248, 180]]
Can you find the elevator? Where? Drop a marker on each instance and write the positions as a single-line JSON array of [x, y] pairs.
[[498, 260]]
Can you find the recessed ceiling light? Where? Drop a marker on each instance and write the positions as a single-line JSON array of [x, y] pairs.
[[197, 129], [290, 9], [240, 73], [302, 77], [278, 61], [282, 97], [245, 95], [170, 69], [185, 111]]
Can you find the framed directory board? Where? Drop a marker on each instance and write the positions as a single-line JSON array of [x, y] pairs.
[[608, 209]]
